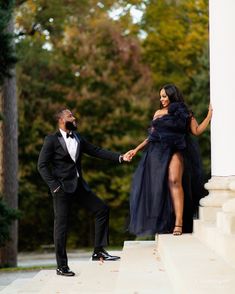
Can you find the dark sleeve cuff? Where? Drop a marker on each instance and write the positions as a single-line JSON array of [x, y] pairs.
[[121, 158]]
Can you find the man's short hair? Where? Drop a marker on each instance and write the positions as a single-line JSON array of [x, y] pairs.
[[60, 113]]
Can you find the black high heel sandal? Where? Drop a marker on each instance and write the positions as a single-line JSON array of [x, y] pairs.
[[177, 232]]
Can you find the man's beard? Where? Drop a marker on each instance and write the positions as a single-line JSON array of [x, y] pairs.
[[70, 126]]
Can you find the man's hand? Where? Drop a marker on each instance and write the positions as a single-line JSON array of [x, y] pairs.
[[127, 157], [130, 154]]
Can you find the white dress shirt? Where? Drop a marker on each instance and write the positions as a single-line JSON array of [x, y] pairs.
[[71, 144]]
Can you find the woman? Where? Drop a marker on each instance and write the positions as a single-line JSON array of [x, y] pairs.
[[167, 184]]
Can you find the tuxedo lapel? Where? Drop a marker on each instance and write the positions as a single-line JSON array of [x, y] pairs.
[[78, 146], [63, 144], [62, 141]]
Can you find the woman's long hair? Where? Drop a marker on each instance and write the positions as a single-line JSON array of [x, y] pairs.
[[173, 93]]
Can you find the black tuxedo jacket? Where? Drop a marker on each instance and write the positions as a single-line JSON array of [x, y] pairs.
[[57, 167]]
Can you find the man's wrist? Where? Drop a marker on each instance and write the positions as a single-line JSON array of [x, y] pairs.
[[121, 158]]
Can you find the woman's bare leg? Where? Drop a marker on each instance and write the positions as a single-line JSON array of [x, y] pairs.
[[175, 174]]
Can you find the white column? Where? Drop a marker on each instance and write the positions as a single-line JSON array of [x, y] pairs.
[[216, 226], [222, 92]]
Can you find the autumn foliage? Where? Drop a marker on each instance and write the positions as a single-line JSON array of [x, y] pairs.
[[108, 72]]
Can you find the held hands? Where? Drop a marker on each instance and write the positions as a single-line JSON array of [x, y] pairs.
[[126, 157], [129, 155]]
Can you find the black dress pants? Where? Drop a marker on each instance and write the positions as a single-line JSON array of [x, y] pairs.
[[62, 205]]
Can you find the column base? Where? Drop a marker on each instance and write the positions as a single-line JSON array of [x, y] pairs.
[[216, 226], [208, 214], [219, 193], [226, 222], [216, 239]]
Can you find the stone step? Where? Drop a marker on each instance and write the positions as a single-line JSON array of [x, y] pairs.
[[141, 270], [215, 238], [193, 267], [205, 231], [32, 285], [38, 282], [225, 222], [92, 277], [15, 286]]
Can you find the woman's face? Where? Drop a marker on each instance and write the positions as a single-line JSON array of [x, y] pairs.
[[165, 101]]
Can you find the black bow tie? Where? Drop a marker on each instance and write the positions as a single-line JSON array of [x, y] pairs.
[[69, 135]]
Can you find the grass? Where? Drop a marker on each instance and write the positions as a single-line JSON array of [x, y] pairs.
[[26, 268]]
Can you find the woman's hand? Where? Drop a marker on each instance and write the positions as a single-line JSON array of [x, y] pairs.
[[131, 153], [210, 111], [198, 129]]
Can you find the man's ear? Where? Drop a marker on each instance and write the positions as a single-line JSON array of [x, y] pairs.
[[61, 120]]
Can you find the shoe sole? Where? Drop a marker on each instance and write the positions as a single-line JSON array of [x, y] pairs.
[[64, 275], [98, 259]]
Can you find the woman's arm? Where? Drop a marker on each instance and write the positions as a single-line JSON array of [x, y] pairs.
[[132, 153], [141, 145], [198, 129]]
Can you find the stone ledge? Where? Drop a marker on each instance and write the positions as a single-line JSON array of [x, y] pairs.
[[15, 287], [208, 214], [141, 270], [91, 277], [194, 268], [217, 237]]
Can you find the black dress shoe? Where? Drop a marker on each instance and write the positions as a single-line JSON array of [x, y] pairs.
[[103, 255], [65, 271]]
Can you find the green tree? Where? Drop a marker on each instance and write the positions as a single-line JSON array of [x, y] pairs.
[[177, 33], [90, 65], [176, 50], [7, 216], [7, 52], [108, 72]]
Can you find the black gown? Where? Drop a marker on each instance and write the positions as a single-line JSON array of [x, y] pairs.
[[151, 209]]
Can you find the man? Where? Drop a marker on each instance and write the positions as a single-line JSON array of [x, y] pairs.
[[59, 164]]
